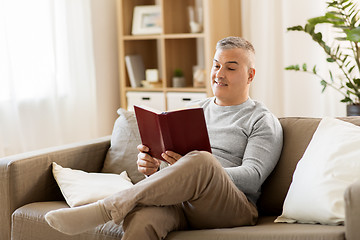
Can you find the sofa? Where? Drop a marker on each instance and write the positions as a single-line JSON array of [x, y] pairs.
[[28, 191]]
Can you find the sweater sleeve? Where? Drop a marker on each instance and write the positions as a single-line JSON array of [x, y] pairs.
[[260, 157]]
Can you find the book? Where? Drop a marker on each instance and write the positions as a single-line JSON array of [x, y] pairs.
[[180, 131], [135, 69]]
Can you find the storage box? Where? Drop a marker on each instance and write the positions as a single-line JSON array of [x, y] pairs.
[[176, 100], [151, 99]]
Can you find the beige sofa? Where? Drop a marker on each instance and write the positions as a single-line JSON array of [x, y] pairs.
[[28, 190]]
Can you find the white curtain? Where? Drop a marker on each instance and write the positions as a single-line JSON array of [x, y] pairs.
[[288, 93], [47, 74]]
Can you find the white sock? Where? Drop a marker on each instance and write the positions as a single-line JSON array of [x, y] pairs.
[[78, 219]]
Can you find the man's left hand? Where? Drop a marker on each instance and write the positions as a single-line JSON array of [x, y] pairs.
[[171, 157]]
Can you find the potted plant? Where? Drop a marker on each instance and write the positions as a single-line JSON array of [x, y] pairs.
[[178, 78], [343, 15]]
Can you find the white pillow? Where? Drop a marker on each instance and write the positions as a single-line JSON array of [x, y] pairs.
[[79, 187], [329, 165]]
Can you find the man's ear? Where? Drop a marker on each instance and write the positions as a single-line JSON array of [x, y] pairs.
[[251, 75]]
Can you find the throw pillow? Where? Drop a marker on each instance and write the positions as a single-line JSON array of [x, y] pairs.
[[329, 165], [122, 155], [79, 187]]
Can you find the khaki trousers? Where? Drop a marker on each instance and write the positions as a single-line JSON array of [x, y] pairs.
[[194, 193]]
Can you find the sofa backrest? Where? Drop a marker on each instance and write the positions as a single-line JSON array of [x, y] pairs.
[[298, 132]]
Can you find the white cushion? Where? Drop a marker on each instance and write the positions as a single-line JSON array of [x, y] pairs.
[[329, 165], [79, 187]]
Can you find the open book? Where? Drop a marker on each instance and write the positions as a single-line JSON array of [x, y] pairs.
[[180, 131]]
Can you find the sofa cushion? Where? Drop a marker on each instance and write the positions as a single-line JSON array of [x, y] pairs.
[[80, 187], [122, 154], [297, 133], [264, 230], [329, 165], [29, 223]]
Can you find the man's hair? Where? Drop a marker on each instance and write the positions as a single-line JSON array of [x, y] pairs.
[[235, 42]]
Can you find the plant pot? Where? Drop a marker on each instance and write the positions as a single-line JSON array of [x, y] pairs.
[[353, 110], [178, 82]]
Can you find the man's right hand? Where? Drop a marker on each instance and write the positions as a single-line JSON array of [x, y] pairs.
[[146, 164]]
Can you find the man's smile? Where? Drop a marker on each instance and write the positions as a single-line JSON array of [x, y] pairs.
[[219, 82]]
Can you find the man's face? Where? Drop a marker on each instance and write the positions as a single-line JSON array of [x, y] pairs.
[[231, 75]]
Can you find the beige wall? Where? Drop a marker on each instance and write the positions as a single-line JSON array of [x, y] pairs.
[[106, 63]]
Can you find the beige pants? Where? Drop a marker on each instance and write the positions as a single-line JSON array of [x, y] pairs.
[[195, 192]]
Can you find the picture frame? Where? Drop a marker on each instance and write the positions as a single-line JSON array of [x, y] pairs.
[[147, 20]]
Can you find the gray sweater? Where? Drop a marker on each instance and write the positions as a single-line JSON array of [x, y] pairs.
[[246, 139]]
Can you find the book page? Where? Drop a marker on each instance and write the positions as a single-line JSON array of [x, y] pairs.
[[164, 112]]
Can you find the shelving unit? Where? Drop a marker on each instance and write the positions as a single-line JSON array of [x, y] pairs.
[[176, 46]]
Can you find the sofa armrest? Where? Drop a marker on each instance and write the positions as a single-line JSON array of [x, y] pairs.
[[352, 211], [27, 177]]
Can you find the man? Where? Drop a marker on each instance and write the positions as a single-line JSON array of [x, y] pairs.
[[199, 190]]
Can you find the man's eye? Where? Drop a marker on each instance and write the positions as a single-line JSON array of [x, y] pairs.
[[216, 66], [231, 69]]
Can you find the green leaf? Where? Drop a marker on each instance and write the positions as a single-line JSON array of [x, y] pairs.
[[309, 28], [304, 67], [342, 1], [296, 28], [350, 85], [293, 67], [353, 35], [333, 16], [332, 4], [352, 68], [317, 37], [346, 99], [324, 84], [317, 20], [355, 17], [357, 82], [337, 49], [314, 69], [348, 5], [335, 13], [331, 76], [347, 64], [330, 60], [341, 38]]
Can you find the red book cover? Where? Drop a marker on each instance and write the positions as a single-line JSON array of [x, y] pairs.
[[180, 131]]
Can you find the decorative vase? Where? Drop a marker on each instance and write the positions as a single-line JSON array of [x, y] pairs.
[[353, 110]]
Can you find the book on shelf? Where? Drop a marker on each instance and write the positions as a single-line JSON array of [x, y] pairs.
[[180, 131], [136, 70]]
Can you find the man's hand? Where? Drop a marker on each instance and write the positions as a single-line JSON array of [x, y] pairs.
[[149, 165], [146, 164], [171, 157]]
